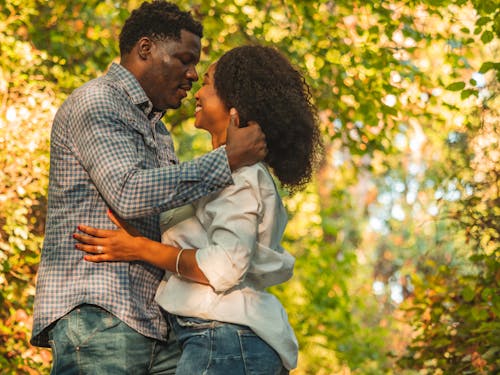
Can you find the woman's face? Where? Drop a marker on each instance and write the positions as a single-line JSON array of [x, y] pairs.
[[211, 114]]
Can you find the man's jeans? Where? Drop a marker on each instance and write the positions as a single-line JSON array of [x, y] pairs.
[[215, 348], [90, 340]]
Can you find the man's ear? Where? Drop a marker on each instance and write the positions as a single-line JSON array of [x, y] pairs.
[[144, 46]]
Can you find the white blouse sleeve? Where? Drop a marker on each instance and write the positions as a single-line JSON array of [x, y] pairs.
[[232, 220]]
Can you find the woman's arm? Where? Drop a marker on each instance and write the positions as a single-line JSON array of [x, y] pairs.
[[231, 223], [127, 244]]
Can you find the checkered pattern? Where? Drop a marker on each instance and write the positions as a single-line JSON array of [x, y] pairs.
[[110, 149]]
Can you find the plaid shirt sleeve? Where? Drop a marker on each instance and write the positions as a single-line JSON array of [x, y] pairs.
[[114, 146]]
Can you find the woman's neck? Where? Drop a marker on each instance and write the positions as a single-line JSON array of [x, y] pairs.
[[218, 140]]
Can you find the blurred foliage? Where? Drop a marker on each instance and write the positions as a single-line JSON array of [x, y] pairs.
[[397, 238]]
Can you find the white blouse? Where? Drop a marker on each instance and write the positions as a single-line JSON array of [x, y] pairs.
[[238, 232]]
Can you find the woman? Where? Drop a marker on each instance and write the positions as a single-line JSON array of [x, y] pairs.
[[221, 253]]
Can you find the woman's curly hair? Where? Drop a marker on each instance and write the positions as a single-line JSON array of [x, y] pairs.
[[264, 87], [158, 19]]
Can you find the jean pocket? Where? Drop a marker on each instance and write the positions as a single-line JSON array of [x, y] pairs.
[[258, 357], [193, 323], [88, 322]]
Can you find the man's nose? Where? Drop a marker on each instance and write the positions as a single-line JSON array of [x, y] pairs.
[[192, 74]]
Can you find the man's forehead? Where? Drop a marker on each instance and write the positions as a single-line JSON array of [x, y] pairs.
[[188, 42], [190, 39]]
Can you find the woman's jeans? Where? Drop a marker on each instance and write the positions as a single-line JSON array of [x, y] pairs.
[[90, 340], [215, 348]]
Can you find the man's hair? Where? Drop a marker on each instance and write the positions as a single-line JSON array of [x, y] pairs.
[[264, 87], [158, 20]]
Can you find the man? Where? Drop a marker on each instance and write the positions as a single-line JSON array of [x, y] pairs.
[[110, 149]]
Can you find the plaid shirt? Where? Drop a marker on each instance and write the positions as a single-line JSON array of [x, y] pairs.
[[110, 149]]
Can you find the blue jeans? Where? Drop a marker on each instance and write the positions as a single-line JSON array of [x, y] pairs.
[[90, 340], [215, 348]]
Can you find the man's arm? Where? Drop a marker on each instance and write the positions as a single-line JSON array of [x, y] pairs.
[[113, 154], [110, 149]]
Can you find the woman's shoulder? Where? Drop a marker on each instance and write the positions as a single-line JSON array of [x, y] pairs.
[[257, 179], [256, 175]]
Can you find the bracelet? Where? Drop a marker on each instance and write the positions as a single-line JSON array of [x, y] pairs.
[[177, 263]]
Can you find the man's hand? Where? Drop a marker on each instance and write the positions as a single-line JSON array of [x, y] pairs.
[[244, 146]]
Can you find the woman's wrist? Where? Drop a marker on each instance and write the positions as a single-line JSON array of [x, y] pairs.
[[142, 248]]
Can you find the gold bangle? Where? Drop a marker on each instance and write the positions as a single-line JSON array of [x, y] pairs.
[[177, 263]]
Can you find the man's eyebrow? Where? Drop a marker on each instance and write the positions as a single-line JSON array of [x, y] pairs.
[[187, 54]]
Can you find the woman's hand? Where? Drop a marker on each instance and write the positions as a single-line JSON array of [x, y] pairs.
[[122, 244], [126, 244]]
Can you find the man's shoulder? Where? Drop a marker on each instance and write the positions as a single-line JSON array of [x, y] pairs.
[[100, 92], [117, 88], [103, 86]]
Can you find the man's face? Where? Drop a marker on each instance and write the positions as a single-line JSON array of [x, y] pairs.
[[172, 70]]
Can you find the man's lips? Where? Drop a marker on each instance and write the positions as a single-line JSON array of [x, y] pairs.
[[184, 89]]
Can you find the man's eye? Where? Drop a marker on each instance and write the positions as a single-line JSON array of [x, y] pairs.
[[186, 60]]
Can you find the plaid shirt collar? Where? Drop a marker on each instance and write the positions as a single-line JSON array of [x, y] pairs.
[[125, 79]]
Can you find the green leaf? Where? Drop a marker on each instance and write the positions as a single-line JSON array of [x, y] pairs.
[[389, 110], [468, 294], [486, 66], [487, 37], [486, 293], [491, 352], [489, 6], [466, 93], [333, 56], [483, 21], [456, 86], [476, 258], [479, 314]]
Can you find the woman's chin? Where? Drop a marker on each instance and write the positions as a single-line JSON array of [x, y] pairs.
[[200, 126]]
